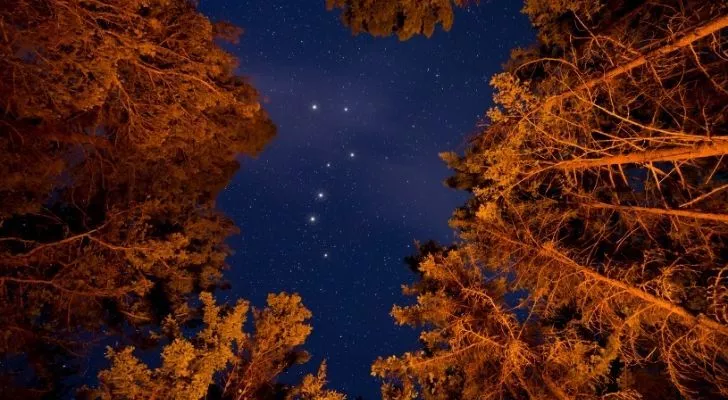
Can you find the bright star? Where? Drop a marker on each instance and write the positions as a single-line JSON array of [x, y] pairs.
[[328, 165], [312, 219], [314, 107], [346, 109], [326, 255], [320, 195], [351, 155]]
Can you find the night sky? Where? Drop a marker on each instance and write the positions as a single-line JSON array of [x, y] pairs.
[[353, 178]]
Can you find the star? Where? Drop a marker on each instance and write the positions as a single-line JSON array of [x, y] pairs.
[[328, 165], [312, 219], [326, 255], [346, 109], [320, 195], [351, 155], [314, 106]]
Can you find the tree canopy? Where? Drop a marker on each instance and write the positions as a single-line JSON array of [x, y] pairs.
[[120, 123], [222, 361], [404, 18], [593, 253]]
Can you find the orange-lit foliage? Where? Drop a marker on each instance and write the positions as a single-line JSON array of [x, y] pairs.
[[222, 361], [120, 122], [404, 18], [599, 196]]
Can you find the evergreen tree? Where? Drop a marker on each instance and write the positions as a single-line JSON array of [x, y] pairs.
[[221, 361], [599, 197], [120, 123]]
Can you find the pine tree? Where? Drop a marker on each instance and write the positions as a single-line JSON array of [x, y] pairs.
[[120, 123], [599, 196], [484, 341], [221, 361]]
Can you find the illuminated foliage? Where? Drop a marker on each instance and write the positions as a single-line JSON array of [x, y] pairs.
[[120, 123], [221, 361], [595, 243], [404, 18], [312, 388], [188, 367], [279, 330], [557, 20]]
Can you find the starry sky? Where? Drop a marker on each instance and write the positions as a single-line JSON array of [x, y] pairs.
[[337, 200]]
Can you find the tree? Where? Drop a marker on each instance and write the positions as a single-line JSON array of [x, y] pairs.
[[120, 123], [599, 196], [483, 341], [221, 361], [312, 388], [405, 18]]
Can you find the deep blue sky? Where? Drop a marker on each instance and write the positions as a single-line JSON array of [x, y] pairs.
[[406, 103]]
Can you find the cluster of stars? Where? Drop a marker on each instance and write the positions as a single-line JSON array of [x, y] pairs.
[[315, 107], [361, 121], [321, 195]]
